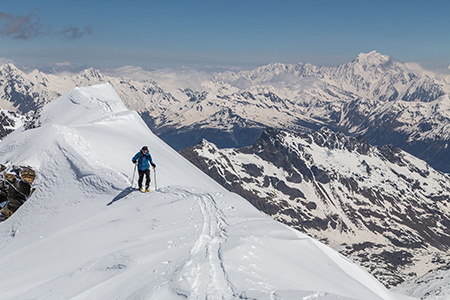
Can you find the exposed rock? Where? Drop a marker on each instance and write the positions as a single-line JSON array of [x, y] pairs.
[[15, 188], [33, 120]]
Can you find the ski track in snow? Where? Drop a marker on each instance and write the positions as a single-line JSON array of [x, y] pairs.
[[204, 270]]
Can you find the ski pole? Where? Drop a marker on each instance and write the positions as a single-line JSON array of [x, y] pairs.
[[154, 173], [132, 180]]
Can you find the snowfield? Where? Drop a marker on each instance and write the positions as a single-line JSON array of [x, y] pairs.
[[84, 234]]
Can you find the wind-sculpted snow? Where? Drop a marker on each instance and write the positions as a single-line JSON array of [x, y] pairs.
[[84, 235]]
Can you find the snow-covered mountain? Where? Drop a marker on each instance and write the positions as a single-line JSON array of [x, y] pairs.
[[380, 206], [84, 235], [23, 92], [371, 75], [384, 100]]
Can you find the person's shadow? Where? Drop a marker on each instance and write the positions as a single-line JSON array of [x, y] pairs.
[[122, 195]]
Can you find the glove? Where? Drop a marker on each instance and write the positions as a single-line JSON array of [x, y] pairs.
[[134, 162], [154, 166]]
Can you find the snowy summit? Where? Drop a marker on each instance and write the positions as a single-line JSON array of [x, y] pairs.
[[84, 235]]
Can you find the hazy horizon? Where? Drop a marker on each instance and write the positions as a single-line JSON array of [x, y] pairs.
[[231, 35]]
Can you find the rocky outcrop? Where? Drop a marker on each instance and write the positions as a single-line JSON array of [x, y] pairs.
[[15, 188]]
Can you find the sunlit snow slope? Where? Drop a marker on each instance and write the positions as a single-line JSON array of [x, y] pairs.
[[84, 235]]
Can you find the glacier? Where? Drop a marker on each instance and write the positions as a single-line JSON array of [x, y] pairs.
[[84, 234]]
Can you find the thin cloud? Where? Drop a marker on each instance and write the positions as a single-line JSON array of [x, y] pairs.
[[63, 64], [74, 33], [22, 27], [31, 26]]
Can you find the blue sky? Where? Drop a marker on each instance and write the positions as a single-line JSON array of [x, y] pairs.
[[244, 34]]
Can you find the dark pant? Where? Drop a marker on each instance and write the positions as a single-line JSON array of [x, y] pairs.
[[141, 178]]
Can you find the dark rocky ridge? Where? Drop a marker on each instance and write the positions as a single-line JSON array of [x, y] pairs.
[[396, 207]]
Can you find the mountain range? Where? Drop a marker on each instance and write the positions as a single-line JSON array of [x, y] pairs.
[[385, 101]]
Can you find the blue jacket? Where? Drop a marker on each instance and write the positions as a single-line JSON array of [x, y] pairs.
[[143, 160]]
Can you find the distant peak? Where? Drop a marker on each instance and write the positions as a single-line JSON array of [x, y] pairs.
[[273, 66], [92, 73], [373, 57], [8, 66], [91, 70]]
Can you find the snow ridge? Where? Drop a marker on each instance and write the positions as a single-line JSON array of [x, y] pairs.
[[189, 239]]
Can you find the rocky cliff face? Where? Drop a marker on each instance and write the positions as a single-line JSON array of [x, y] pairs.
[[15, 188], [380, 206]]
